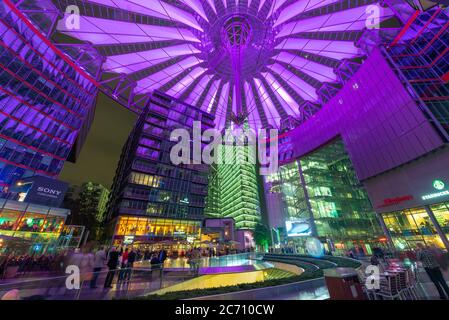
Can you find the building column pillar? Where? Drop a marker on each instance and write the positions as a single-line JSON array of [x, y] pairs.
[[386, 231], [306, 197], [437, 227]]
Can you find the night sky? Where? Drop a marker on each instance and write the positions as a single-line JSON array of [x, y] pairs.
[[101, 152]]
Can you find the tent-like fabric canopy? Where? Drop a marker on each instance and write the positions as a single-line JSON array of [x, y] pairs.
[[258, 61]]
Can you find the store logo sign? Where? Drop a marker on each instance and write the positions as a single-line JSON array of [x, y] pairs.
[[438, 185], [394, 201], [435, 195], [48, 191]]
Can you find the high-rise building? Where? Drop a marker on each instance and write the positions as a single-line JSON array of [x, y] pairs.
[[234, 188], [44, 96], [153, 199]]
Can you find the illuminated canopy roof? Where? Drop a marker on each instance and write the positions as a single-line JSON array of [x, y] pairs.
[[259, 60]]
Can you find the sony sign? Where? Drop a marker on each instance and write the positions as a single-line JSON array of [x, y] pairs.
[[45, 191], [49, 192]]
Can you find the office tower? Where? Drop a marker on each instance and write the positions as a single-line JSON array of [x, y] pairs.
[[234, 191], [153, 199]]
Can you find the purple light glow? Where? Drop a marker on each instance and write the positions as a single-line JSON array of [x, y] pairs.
[[221, 48]]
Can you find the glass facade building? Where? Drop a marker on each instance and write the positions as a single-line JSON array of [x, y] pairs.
[[422, 60], [44, 99], [147, 184], [321, 189], [315, 70], [234, 192]]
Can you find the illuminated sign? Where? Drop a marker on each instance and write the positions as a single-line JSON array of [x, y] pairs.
[[298, 228], [436, 195], [40, 190], [438, 185], [128, 240], [393, 201]]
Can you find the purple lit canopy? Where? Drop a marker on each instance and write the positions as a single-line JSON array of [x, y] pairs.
[[254, 60]]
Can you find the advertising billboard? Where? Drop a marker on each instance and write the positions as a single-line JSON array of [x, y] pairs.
[[41, 190], [298, 228]]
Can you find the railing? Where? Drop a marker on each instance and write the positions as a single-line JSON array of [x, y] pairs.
[[126, 283]]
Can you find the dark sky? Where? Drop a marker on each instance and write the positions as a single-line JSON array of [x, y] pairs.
[[101, 152]]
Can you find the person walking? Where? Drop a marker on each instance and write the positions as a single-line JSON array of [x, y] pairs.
[[430, 263], [123, 265], [162, 256], [84, 260], [132, 256], [155, 266], [99, 262], [112, 264], [195, 260]]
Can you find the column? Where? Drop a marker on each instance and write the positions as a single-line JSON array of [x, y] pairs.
[[306, 196], [386, 232]]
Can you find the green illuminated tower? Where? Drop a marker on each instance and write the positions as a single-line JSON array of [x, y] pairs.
[[233, 187]]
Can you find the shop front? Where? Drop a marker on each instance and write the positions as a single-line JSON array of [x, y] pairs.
[[413, 202], [39, 225], [153, 234]]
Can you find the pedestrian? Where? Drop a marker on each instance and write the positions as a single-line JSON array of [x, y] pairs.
[[123, 265], [132, 256], [162, 256], [155, 265], [84, 260], [99, 262], [113, 258], [430, 263]]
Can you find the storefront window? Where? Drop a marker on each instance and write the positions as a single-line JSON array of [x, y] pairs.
[[411, 226], [441, 212], [8, 219], [32, 222], [53, 224], [130, 226]]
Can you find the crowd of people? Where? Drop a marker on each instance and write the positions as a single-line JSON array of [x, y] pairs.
[[27, 263], [117, 261], [114, 262]]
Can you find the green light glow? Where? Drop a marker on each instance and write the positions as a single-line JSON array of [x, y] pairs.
[[233, 189]]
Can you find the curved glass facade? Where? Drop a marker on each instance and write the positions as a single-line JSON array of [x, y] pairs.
[[44, 101], [322, 188]]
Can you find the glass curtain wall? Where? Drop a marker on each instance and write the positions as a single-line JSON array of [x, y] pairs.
[[330, 191], [412, 226]]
